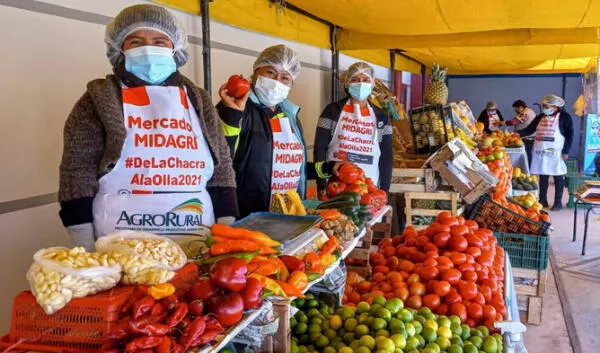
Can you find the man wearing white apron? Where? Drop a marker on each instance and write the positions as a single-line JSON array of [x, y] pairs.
[[143, 148], [491, 118], [353, 130], [553, 138]]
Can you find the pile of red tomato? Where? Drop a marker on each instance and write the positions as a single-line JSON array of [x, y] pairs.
[[452, 267]]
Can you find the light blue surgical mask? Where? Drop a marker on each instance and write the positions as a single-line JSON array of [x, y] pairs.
[[360, 90], [151, 64], [549, 111]]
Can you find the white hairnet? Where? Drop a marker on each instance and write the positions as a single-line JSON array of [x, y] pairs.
[[356, 69], [552, 99], [281, 58], [147, 16]]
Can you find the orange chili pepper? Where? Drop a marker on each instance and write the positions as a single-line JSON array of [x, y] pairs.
[[298, 279]]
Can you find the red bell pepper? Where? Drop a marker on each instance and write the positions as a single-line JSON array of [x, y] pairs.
[[228, 309], [335, 188], [252, 294], [202, 289], [348, 174], [292, 263], [371, 187], [230, 273]]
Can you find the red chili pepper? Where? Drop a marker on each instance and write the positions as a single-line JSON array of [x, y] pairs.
[[165, 345], [196, 307], [207, 336], [138, 344], [228, 309], [180, 312], [184, 323], [292, 263], [212, 324], [177, 348], [202, 289], [169, 302], [143, 306], [157, 309], [119, 330], [192, 332], [252, 293], [148, 328], [230, 273]]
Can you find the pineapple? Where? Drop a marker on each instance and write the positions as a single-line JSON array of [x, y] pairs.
[[437, 92]]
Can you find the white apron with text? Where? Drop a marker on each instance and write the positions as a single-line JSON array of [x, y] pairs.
[[288, 156], [159, 183], [547, 148], [355, 140], [493, 120]]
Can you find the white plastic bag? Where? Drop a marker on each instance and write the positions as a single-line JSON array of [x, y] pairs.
[[59, 274], [146, 258]]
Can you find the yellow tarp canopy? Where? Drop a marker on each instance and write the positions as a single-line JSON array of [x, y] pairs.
[[468, 36]]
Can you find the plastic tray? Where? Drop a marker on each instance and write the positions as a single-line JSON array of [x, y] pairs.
[[82, 324], [525, 251], [278, 226], [501, 219]]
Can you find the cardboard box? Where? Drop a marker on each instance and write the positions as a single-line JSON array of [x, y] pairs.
[[461, 168]]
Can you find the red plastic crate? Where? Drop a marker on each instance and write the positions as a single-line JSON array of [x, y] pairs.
[[185, 277], [81, 325], [20, 346]]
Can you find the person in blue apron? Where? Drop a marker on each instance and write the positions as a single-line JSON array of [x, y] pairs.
[[553, 131], [491, 118], [143, 148], [265, 134], [353, 130]]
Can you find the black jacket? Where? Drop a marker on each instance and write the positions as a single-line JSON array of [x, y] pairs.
[[565, 124], [483, 118], [251, 141], [326, 129]]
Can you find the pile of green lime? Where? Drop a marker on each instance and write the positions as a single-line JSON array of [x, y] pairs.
[[386, 326]]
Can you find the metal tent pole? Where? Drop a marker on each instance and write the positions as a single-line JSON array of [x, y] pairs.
[[206, 64], [393, 70], [335, 64]]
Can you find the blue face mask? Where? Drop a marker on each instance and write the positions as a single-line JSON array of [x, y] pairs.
[[151, 64], [360, 90], [549, 111]]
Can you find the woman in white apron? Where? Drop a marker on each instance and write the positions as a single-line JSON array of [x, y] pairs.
[[553, 138], [143, 149], [491, 118], [265, 134], [353, 130]]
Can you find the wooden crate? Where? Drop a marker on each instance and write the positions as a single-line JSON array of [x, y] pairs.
[[282, 339], [456, 207], [530, 286], [414, 179], [358, 260]]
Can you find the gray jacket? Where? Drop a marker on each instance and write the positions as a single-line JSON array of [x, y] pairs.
[[93, 139]]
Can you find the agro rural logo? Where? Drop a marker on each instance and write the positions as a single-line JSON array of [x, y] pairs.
[[186, 215]]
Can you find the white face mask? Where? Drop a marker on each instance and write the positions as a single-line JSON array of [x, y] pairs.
[[270, 92]]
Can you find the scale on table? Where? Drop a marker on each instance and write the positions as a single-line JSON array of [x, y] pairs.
[[589, 191]]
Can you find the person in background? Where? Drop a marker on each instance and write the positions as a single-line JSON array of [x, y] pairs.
[[353, 130], [524, 117], [553, 131], [143, 148], [491, 118], [265, 134]]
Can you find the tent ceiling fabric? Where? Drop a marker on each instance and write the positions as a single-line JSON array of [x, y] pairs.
[[468, 36]]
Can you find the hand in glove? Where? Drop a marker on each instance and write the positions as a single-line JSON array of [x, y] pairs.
[[83, 235]]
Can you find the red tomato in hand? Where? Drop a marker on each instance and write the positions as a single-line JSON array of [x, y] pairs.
[[237, 86]]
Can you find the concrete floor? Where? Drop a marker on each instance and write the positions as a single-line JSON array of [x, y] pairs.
[[571, 307]]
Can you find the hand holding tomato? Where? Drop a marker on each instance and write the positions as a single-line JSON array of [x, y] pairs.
[[234, 94]]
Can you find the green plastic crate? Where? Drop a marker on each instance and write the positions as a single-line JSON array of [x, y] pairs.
[[525, 251], [571, 165], [574, 181]]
